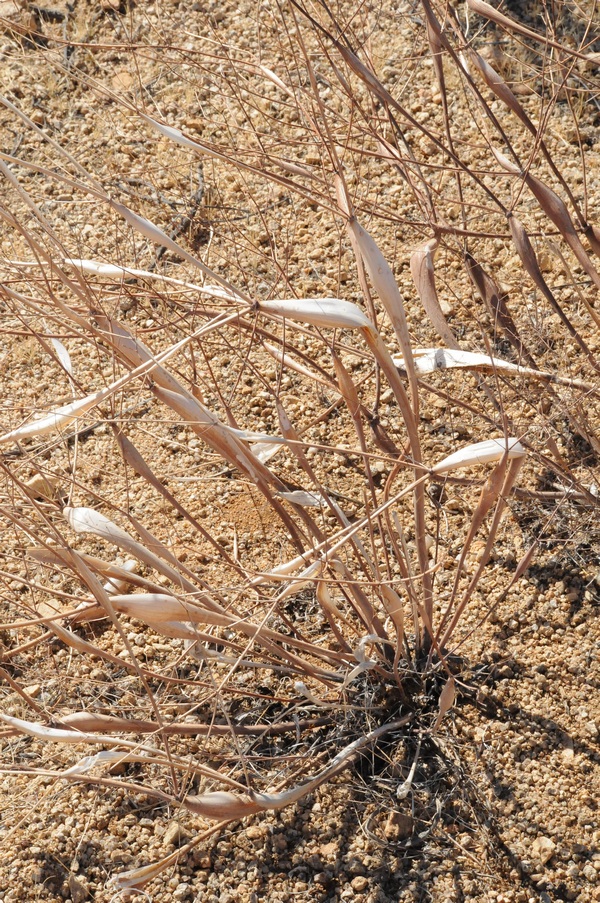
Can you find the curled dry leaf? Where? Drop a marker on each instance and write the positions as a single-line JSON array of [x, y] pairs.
[[395, 609], [431, 360], [41, 486], [556, 211], [224, 805], [447, 699], [63, 355], [57, 419], [322, 312], [423, 274], [486, 452], [497, 307], [386, 287]]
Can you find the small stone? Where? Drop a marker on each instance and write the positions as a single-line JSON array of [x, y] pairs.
[[78, 889], [359, 883], [328, 850], [174, 835], [543, 849], [568, 748], [41, 487], [254, 832], [590, 873], [355, 867], [126, 304], [122, 80], [322, 878], [280, 843], [182, 892], [398, 826], [37, 874], [505, 672]]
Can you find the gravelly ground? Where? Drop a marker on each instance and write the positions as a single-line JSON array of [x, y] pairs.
[[505, 801]]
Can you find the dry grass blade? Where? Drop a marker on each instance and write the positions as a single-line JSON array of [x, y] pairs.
[[497, 84], [431, 360], [447, 700], [56, 420], [486, 452], [556, 211], [87, 520], [423, 273], [386, 287], [528, 257], [223, 805], [489, 12], [496, 491], [150, 231], [495, 301]]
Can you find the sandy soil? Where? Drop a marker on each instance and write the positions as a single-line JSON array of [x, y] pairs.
[[504, 804]]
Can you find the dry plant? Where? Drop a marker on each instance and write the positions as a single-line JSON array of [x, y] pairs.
[[342, 615]]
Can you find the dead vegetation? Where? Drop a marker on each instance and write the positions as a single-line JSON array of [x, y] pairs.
[[300, 369]]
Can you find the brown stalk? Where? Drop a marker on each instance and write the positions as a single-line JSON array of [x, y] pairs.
[[529, 260], [85, 721], [496, 83], [556, 211], [489, 12], [498, 494], [495, 302]]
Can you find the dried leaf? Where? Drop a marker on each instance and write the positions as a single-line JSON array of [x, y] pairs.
[[447, 699], [63, 355], [225, 805], [592, 233], [422, 271], [556, 211], [497, 307], [57, 419], [117, 585], [43, 487], [150, 231], [486, 452], [114, 271], [87, 520], [307, 499], [321, 312], [529, 260], [432, 360], [386, 287], [395, 609]]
